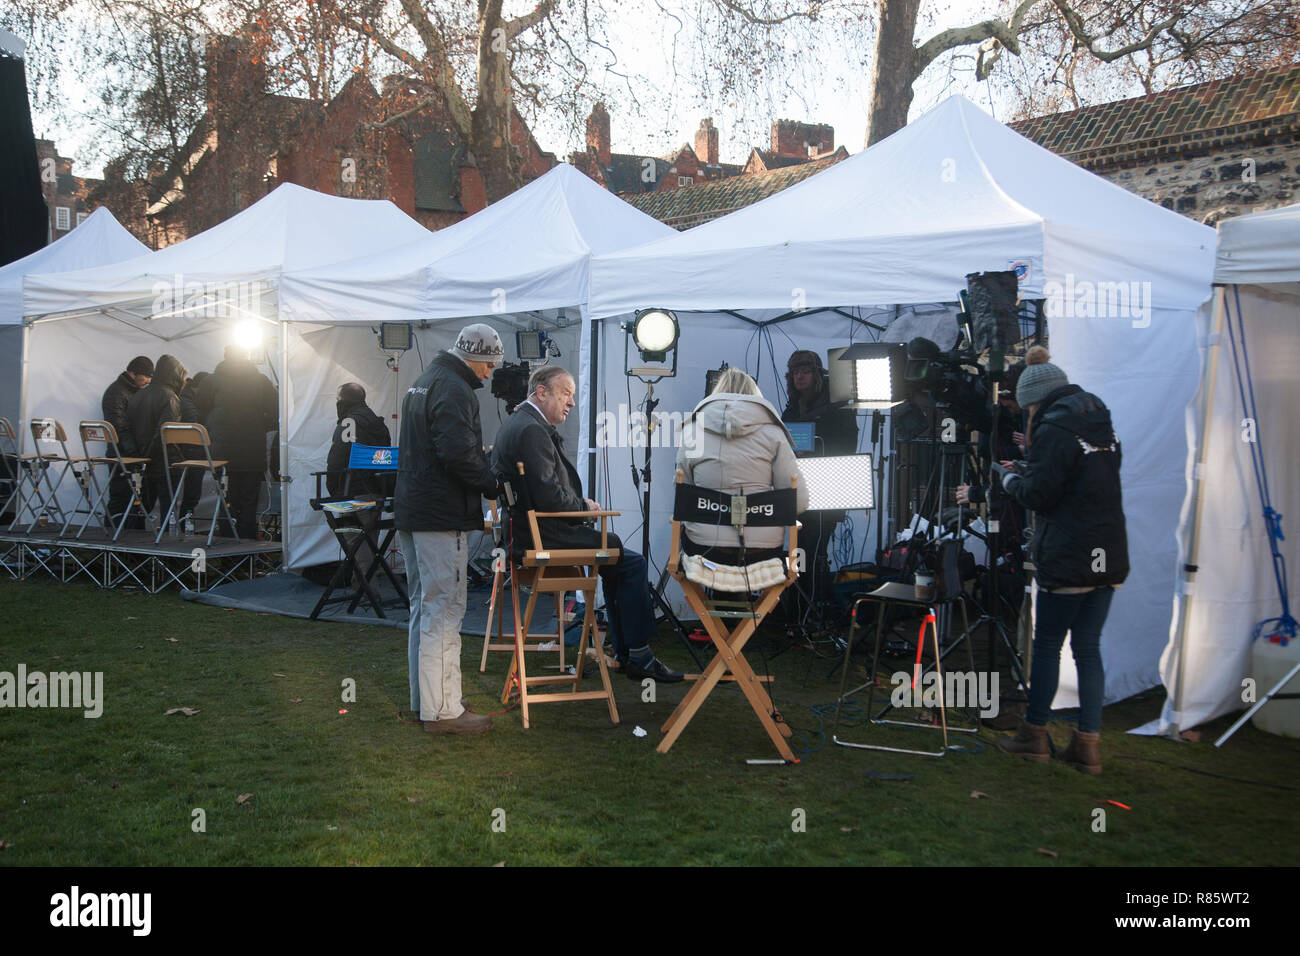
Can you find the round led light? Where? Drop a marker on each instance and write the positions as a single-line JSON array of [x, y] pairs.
[[655, 331]]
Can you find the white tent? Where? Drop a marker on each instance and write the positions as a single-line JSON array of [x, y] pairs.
[[521, 262], [97, 241], [187, 299], [902, 223], [1222, 532]]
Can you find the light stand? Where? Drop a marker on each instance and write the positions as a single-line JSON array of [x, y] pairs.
[[654, 332]]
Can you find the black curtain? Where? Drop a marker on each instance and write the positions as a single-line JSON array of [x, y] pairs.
[[24, 218]]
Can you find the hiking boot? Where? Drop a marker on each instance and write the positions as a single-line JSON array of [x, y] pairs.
[[466, 723], [1029, 742], [1084, 752]]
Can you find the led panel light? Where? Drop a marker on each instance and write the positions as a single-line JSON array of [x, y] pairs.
[[867, 374], [394, 336], [838, 483], [531, 345]]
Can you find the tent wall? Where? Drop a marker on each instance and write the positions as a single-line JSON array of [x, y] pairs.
[[11, 373], [323, 357], [1234, 587]]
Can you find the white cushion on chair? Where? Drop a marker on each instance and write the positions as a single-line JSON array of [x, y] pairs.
[[733, 579]]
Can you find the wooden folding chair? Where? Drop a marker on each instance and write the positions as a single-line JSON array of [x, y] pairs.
[[129, 469], [556, 572], [45, 433], [189, 433], [19, 470], [765, 509]]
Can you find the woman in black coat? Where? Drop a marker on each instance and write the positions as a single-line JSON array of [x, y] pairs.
[[1070, 481]]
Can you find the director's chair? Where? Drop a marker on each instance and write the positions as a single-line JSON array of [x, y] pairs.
[[768, 579], [351, 531], [556, 571]]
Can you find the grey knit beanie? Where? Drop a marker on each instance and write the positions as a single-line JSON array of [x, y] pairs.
[[1037, 382], [479, 343]]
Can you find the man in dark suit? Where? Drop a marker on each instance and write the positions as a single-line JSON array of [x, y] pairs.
[[551, 483]]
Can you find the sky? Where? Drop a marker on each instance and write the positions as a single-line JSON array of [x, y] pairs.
[[833, 88]]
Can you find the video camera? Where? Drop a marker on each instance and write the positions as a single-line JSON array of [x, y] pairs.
[[510, 383], [949, 378]]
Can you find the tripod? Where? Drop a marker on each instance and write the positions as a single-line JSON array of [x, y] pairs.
[[662, 608]]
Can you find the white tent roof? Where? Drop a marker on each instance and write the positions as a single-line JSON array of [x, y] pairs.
[[291, 228], [1260, 248], [528, 251], [99, 240], [904, 222]]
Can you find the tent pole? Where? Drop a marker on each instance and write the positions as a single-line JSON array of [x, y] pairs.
[[593, 372], [1188, 572], [285, 477]]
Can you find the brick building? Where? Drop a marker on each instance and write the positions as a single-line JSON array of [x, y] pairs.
[[68, 197], [250, 141], [634, 175], [1210, 151]]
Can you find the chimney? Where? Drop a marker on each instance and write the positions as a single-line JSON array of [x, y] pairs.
[[706, 142], [236, 73], [598, 135], [802, 140]]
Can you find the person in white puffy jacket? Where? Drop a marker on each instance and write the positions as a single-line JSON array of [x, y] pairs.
[[734, 442]]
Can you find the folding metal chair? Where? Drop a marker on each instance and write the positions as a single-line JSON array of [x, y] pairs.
[[189, 433], [948, 591], [45, 433], [352, 532], [18, 471], [129, 469], [766, 509], [556, 572]]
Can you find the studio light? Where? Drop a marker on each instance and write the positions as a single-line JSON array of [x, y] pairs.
[[654, 332], [868, 374], [838, 483], [248, 334], [395, 336]]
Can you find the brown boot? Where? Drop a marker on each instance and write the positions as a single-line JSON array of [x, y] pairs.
[[1084, 752], [1030, 742]]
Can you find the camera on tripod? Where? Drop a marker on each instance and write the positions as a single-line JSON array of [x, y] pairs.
[[510, 383]]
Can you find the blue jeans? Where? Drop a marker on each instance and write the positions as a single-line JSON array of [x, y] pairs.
[[1082, 616]]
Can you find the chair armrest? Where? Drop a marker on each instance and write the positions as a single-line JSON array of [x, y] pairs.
[[577, 514]]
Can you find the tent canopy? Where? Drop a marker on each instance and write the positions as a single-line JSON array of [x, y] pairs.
[[529, 251], [904, 221], [1260, 249], [99, 240], [290, 228]]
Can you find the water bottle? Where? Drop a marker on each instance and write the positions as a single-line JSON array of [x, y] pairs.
[[171, 524], [188, 524]]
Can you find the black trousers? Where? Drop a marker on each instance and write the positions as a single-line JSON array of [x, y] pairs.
[[242, 492]]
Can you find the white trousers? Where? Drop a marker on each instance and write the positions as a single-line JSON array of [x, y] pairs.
[[435, 584]]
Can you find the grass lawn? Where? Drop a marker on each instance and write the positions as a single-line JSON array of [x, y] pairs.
[[365, 788]]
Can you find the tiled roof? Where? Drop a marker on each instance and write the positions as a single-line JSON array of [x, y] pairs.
[[1206, 115], [691, 205]]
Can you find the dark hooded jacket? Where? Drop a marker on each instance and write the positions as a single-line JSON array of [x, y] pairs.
[[442, 471], [836, 428], [238, 405], [157, 402], [369, 429], [116, 397], [1071, 482]]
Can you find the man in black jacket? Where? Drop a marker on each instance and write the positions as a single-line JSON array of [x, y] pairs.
[[551, 483], [116, 396], [239, 406], [157, 402], [442, 477], [1070, 481]]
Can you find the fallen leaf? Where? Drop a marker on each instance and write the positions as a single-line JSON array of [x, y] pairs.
[[279, 675], [243, 798], [976, 794], [5, 846], [330, 827], [187, 711], [1051, 853], [295, 700], [139, 647], [415, 799], [353, 863], [502, 863], [115, 785], [847, 829], [131, 619], [171, 640]]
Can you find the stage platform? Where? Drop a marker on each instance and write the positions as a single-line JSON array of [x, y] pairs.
[[135, 561]]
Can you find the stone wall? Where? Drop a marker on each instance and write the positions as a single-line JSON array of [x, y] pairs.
[[1220, 185]]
